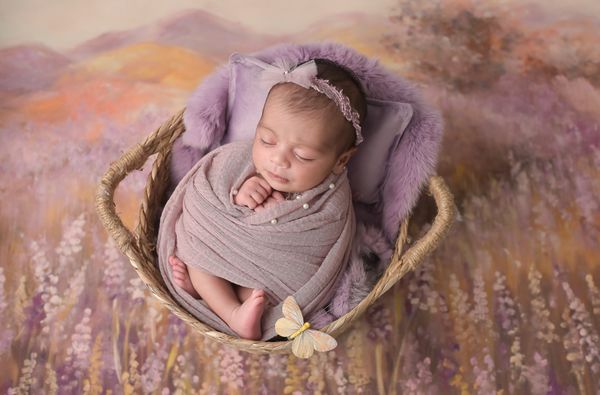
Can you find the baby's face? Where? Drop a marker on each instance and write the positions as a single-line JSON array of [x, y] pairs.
[[294, 152]]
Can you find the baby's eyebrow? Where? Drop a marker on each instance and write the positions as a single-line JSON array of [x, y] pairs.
[[262, 125], [316, 150]]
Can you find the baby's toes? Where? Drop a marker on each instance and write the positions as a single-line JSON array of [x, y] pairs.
[[178, 265], [178, 269], [174, 262]]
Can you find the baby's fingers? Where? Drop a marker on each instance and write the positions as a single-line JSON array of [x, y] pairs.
[[278, 196], [259, 195], [247, 200], [263, 183], [271, 201]]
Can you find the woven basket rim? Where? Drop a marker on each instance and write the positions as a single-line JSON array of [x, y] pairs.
[[141, 256]]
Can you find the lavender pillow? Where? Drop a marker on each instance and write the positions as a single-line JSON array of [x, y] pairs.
[[382, 130]]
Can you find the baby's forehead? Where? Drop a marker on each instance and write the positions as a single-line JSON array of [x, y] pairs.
[[326, 118], [328, 114]]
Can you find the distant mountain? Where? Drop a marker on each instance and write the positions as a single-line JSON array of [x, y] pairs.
[[210, 40], [145, 62], [216, 38], [212, 36], [115, 84], [26, 68], [183, 47]]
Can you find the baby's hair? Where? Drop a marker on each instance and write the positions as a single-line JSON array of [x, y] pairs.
[[298, 99]]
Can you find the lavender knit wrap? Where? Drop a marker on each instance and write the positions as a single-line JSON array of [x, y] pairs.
[[297, 247]]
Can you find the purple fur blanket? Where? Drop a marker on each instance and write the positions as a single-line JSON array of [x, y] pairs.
[[409, 166]]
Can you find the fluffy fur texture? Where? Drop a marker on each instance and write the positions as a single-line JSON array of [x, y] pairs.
[[409, 166]]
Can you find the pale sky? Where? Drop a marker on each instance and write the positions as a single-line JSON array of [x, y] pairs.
[[62, 24]]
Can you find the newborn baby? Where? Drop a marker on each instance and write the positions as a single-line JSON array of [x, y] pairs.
[[304, 135]]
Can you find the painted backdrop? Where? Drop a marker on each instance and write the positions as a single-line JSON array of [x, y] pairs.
[[510, 302]]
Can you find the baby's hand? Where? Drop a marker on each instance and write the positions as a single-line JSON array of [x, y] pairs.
[[275, 197], [253, 192]]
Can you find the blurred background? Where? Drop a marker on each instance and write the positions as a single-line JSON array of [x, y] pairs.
[[510, 302]]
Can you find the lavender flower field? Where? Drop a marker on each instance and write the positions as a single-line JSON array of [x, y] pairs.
[[508, 304]]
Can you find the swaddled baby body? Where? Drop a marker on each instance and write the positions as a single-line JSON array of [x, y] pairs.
[[304, 135]]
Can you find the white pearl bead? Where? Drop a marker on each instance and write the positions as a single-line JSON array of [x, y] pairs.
[[331, 186], [274, 221], [305, 206], [235, 192], [298, 197]]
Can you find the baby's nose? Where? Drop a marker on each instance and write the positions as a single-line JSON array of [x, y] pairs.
[[279, 160]]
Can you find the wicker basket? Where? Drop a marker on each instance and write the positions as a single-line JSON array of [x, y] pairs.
[[139, 246]]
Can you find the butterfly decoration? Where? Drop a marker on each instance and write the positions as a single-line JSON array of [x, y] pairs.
[[305, 341]]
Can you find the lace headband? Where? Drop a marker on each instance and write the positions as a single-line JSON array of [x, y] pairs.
[[305, 75]]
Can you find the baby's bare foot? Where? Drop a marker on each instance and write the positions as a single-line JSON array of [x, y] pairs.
[[242, 293], [245, 319], [182, 277]]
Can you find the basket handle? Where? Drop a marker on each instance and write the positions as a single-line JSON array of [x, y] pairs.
[[446, 213], [133, 159]]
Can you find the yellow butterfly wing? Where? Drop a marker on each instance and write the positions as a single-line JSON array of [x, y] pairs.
[[302, 346], [310, 340], [306, 342], [292, 318], [320, 341], [285, 327], [292, 311]]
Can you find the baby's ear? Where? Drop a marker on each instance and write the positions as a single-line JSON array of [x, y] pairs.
[[343, 160], [346, 155]]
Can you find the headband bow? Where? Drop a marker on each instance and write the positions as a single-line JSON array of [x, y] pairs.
[[305, 75]]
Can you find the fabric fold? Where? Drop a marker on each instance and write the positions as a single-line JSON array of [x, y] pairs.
[[297, 247]]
